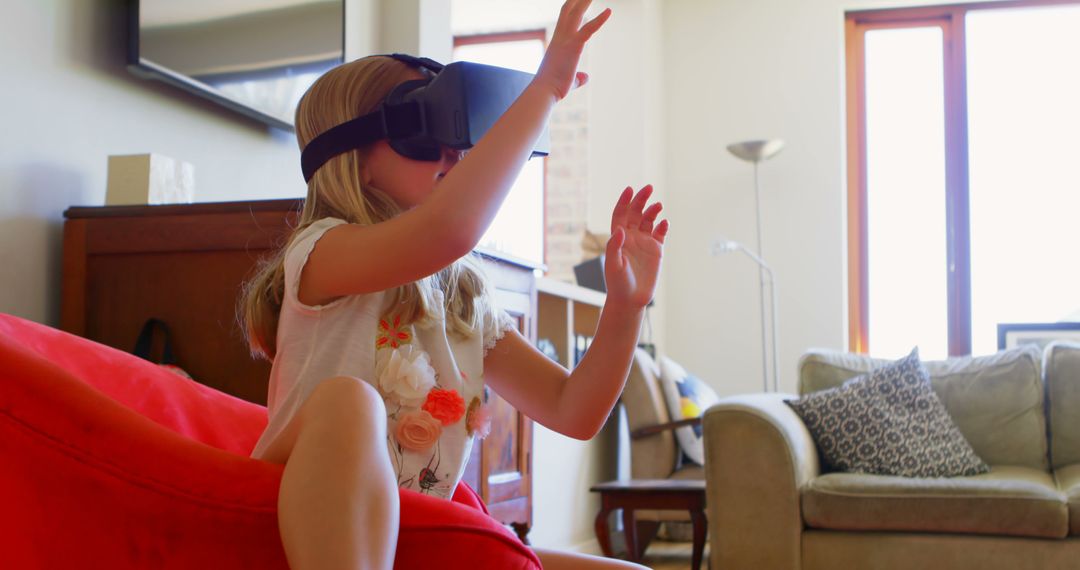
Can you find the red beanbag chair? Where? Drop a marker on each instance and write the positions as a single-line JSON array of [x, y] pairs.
[[109, 461]]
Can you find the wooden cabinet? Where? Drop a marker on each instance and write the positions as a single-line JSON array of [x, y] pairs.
[[185, 264], [181, 264], [500, 467]]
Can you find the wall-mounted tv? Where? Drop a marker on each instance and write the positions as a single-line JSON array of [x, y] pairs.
[[257, 57]]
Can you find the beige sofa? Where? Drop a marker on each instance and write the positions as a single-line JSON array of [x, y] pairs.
[[772, 506]]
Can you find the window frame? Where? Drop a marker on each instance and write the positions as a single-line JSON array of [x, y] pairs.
[[517, 36], [951, 20]]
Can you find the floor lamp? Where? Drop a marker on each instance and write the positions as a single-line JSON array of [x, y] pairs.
[[755, 151], [724, 246]]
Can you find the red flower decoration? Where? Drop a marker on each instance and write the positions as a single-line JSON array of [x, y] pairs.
[[392, 336], [447, 406]]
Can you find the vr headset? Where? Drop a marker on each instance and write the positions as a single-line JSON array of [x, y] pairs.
[[452, 108]]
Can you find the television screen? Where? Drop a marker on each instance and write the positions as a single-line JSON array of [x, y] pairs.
[[257, 57]]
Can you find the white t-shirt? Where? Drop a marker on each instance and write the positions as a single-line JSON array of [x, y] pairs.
[[431, 382]]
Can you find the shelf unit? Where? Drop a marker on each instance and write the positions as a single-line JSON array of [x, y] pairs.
[[564, 313]]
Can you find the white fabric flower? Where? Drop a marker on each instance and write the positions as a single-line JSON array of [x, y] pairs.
[[405, 374]]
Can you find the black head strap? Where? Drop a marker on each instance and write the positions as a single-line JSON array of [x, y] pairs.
[[389, 121], [418, 62]]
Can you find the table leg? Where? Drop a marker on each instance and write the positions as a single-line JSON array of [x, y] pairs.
[[522, 531], [700, 527], [603, 534], [630, 530]]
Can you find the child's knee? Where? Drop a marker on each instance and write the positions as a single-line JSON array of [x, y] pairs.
[[346, 397]]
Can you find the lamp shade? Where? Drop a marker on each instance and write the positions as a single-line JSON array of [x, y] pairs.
[[757, 150]]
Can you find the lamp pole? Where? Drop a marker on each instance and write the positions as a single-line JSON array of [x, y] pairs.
[[762, 268], [724, 246], [755, 151]]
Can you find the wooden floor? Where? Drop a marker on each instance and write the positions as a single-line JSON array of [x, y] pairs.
[[671, 556]]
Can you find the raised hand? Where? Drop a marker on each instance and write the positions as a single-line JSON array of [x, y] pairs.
[[558, 71], [632, 261]]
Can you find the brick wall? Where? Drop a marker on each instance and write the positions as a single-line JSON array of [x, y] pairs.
[[567, 186]]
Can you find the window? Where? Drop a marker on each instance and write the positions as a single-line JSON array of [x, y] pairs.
[[518, 229], [962, 176]]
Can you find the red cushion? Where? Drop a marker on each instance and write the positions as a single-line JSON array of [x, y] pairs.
[[110, 461], [180, 404]]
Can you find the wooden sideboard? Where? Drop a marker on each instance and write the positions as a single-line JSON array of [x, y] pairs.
[[184, 265]]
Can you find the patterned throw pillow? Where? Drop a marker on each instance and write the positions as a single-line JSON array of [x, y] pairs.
[[889, 422], [687, 397]]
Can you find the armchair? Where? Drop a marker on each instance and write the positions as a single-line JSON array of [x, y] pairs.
[[111, 461], [654, 451]]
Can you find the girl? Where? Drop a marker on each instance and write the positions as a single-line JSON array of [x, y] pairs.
[[381, 328]]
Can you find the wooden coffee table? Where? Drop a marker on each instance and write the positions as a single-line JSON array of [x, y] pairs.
[[653, 494]]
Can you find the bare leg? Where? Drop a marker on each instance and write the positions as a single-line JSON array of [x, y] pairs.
[[338, 503], [557, 560]]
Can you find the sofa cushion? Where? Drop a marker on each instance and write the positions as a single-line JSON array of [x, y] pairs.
[[834, 550], [996, 400], [888, 422], [1068, 481], [1062, 364], [1010, 500]]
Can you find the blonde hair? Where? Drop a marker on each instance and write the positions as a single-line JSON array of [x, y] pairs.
[[344, 93]]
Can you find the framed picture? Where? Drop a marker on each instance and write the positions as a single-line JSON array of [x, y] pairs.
[[1011, 335]]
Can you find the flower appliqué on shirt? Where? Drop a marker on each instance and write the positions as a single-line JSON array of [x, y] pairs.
[[392, 335], [404, 374], [417, 430], [447, 406], [421, 408], [478, 419]]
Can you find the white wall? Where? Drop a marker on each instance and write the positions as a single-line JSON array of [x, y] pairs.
[[626, 123], [737, 70], [416, 27], [68, 103]]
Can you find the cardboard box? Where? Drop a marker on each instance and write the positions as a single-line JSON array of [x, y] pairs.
[[149, 179]]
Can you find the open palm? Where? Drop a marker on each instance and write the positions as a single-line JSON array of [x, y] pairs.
[[558, 70], [635, 249]]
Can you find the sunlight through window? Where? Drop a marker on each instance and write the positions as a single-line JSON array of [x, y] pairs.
[[1023, 117], [906, 192], [518, 229]]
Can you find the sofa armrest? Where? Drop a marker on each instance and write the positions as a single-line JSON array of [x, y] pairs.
[[758, 455]]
